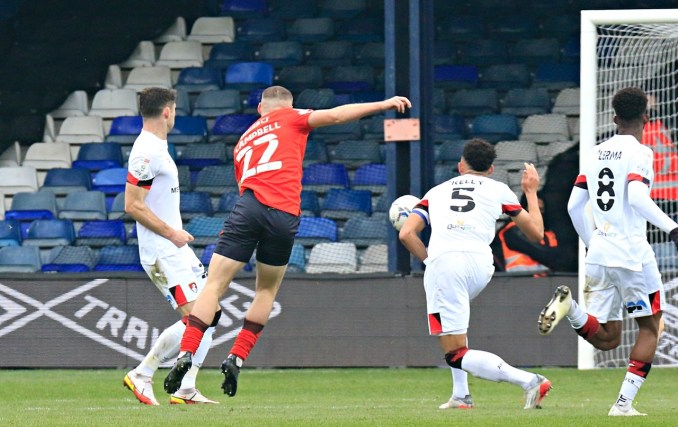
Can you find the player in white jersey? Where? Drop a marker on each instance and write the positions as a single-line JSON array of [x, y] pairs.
[[621, 270], [462, 213], [152, 199]]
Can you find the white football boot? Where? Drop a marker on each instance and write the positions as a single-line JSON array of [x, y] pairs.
[[141, 386], [555, 310]]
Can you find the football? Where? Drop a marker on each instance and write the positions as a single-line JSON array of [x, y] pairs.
[[401, 209]]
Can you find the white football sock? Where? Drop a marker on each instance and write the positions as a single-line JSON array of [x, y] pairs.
[[188, 382], [483, 364], [629, 389], [459, 383], [166, 347], [577, 316]]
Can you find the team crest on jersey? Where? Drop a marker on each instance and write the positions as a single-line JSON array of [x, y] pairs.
[[193, 287]]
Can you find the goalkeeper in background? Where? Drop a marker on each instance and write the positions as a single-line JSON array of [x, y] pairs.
[[621, 269]]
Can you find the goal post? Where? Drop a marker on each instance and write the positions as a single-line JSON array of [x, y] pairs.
[[623, 48]]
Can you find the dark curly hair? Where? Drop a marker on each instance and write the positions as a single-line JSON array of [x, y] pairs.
[[630, 104], [153, 100], [479, 154]]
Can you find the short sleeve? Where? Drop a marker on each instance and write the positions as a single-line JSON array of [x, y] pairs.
[[140, 171], [509, 202], [641, 166], [301, 119]]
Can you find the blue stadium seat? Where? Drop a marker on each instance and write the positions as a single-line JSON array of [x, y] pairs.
[[449, 127], [29, 206], [240, 9], [571, 51], [216, 179], [70, 259], [372, 53], [350, 78], [310, 204], [514, 28], [298, 78], [198, 156], [483, 53], [336, 133], [309, 30], [297, 262], [101, 233], [321, 177], [341, 9], [64, 181], [119, 258], [252, 100], [260, 31], [110, 181], [505, 76], [207, 254], [316, 230], [249, 75], [226, 203], [343, 204], [224, 54], [194, 204], [331, 53], [10, 233], [556, 76], [316, 99], [205, 230], [461, 28], [213, 103], [455, 76], [365, 231], [535, 51], [198, 79], [524, 102], [49, 233], [362, 29], [473, 102], [371, 177], [183, 103], [84, 205], [231, 126], [20, 259], [373, 127], [291, 10], [280, 53], [496, 127], [316, 152], [99, 155], [450, 151], [382, 204], [352, 153], [125, 129], [188, 130]]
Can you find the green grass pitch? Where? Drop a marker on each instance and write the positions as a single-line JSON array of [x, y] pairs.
[[328, 397]]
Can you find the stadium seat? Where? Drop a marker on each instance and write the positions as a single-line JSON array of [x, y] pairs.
[[336, 133], [261, 30], [20, 259], [495, 127], [332, 258], [353, 153], [473, 102], [119, 258], [321, 177], [111, 103], [230, 127], [212, 30], [547, 151], [364, 28], [545, 128], [241, 9], [44, 156], [198, 156], [535, 51], [142, 77], [342, 9], [365, 231], [176, 55], [484, 52], [100, 155], [342, 204], [442, 173], [213, 103], [514, 28], [331, 53], [251, 101], [188, 130], [449, 127], [198, 79], [316, 230], [76, 104], [249, 75], [505, 76], [64, 181], [10, 233], [316, 99], [49, 233], [17, 179], [29, 206], [113, 78], [125, 129], [84, 206], [567, 102], [117, 210], [99, 234], [371, 177], [516, 151], [194, 204], [309, 30], [183, 103], [175, 32], [461, 28], [316, 152], [556, 76], [216, 179], [79, 130], [381, 204], [142, 56], [310, 205], [224, 54], [297, 262], [288, 10], [524, 102], [280, 53], [205, 230], [374, 259], [450, 151], [371, 54], [350, 78], [70, 259], [110, 181], [455, 76], [298, 78], [207, 253], [226, 203]]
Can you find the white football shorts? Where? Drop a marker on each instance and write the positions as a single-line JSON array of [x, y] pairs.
[[179, 277]]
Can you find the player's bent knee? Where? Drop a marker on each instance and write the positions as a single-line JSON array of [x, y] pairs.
[[454, 357]]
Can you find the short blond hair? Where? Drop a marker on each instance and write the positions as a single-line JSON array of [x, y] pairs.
[[276, 95]]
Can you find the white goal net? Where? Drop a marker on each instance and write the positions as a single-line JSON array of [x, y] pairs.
[[636, 48]]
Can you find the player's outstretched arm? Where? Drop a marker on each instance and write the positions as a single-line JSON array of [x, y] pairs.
[[351, 112], [530, 222], [409, 236]]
